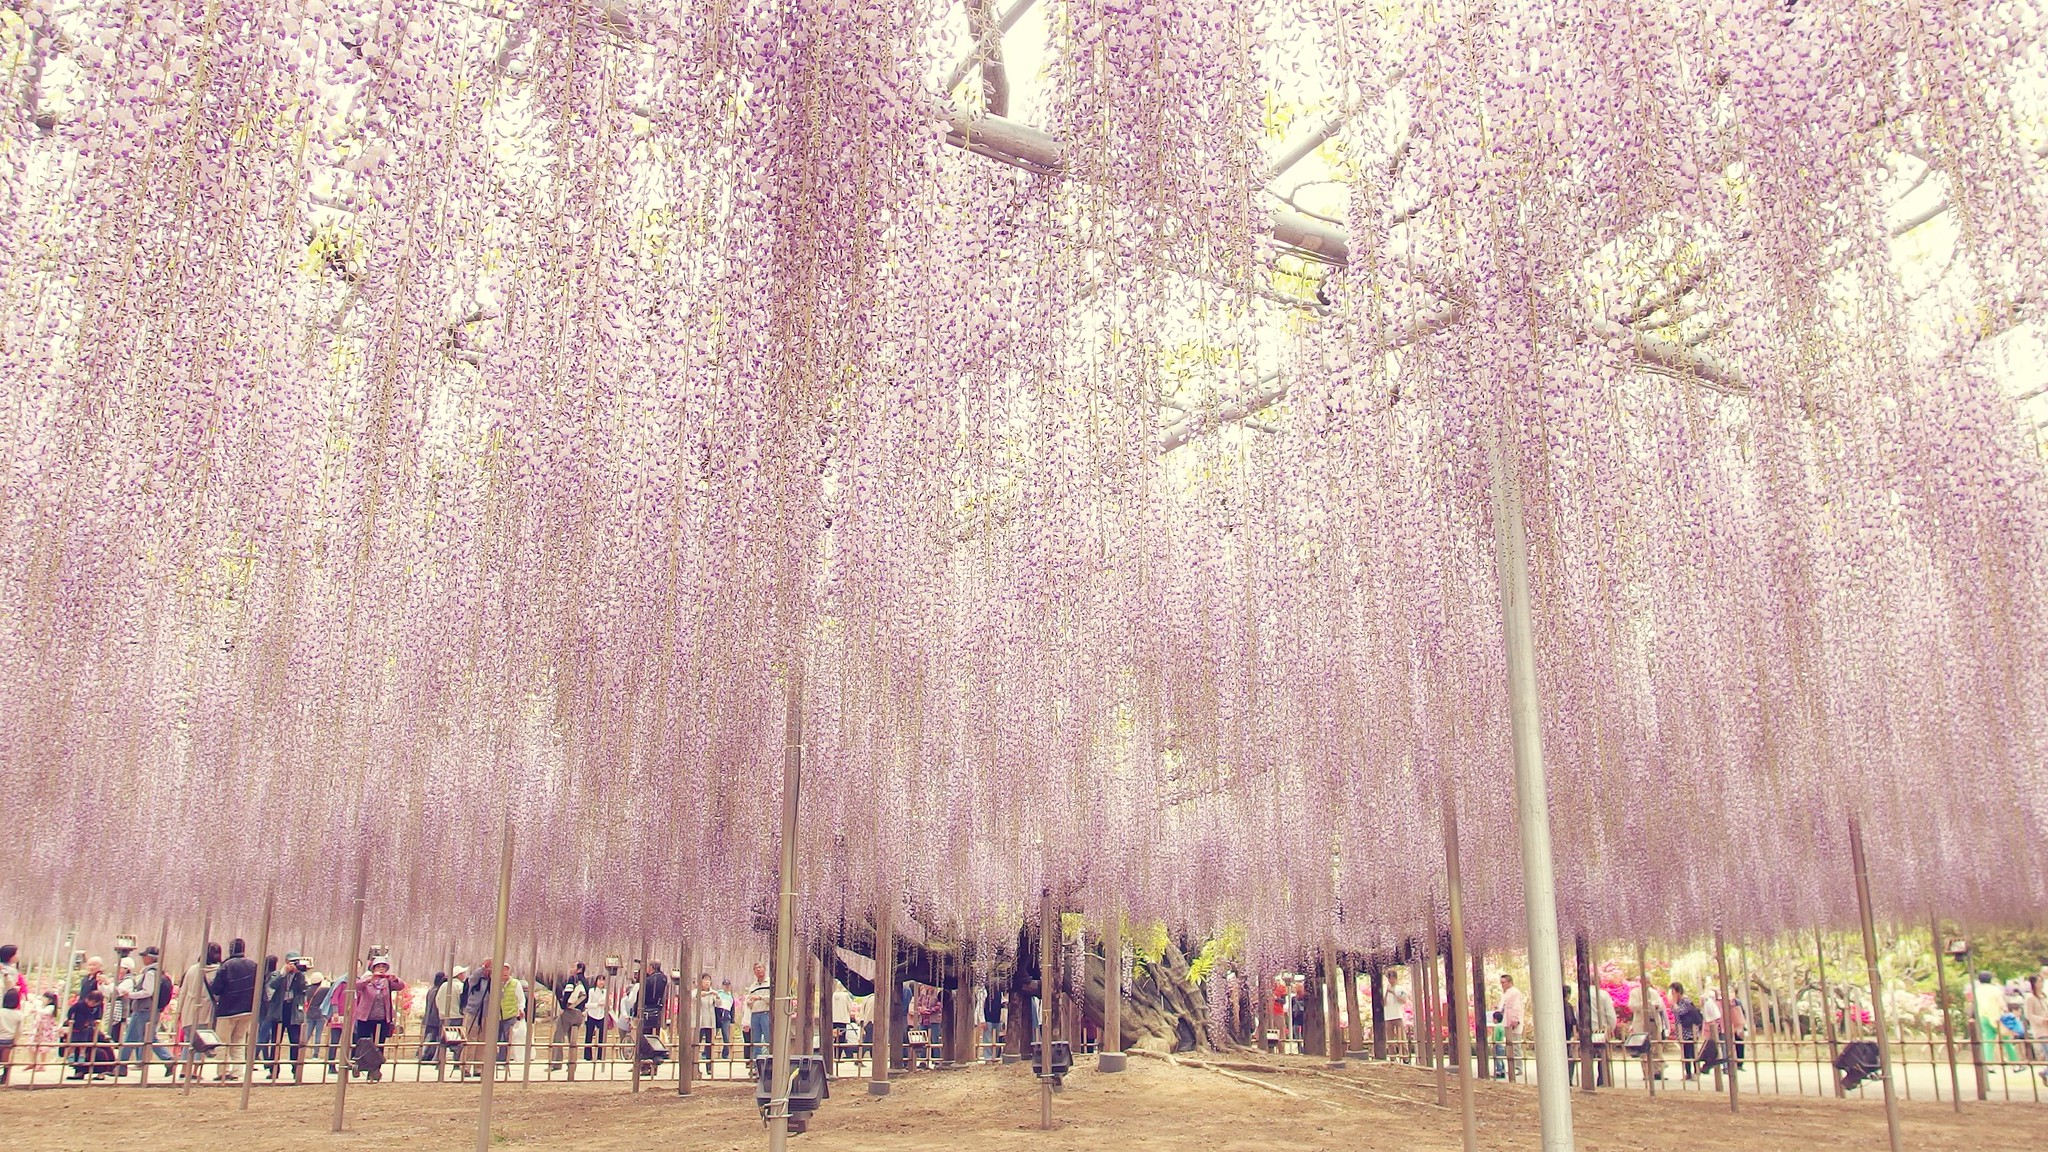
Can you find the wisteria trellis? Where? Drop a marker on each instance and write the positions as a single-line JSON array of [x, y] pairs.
[[420, 410]]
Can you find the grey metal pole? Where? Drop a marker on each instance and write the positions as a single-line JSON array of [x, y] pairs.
[[1948, 1023], [256, 996], [1111, 1058], [494, 992], [1884, 1044], [784, 975], [1532, 806], [348, 1003], [1461, 1040]]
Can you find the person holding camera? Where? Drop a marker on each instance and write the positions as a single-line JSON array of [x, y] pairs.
[[284, 1012]]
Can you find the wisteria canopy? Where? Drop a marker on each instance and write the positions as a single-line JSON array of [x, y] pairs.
[[416, 413]]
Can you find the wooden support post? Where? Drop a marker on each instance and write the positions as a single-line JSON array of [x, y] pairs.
[[1884, 1044], [881, 1035], [494, 993], [345, 1060], [1461, 1041], [1333, 1001], [1432, 975], [689, 1052], [1948, 1023], [784, 974], [256, 1002], [1354, 1014], [1111, 1057], [1582, 961], [1048, 927], [639, 1031], [1485, 1068], [1727, 1028], [1378, 992], [532, 1016], [1646, 1003]]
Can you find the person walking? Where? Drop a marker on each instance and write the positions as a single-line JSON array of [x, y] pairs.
[[372, 1015], [597, 1015], [142, 996], [334, 1013], [703, 1011], [476, 989], [195, 1003], [1602, 1022], [312, 1018], [511, 1009], [572, 998], [1514, 1006], [653, 1002], [1989, 1002], [430, 1021], [1689, 1019], [2034, 1010], [233, 985], [728, 1004], [760, 1003], [448, 1011]]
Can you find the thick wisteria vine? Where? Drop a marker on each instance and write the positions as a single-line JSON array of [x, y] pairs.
[[423, 415]]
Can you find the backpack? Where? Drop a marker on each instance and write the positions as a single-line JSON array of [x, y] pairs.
[[1689, 1015], [163, 991]]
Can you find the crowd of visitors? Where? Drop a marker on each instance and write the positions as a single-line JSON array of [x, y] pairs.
[[2010, 1021], [108, 1023], [135, 1021]]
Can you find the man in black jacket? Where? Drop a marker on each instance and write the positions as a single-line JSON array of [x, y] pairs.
[[234, 998], [653, 999]]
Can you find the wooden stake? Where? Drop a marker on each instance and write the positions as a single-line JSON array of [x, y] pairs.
[[1727, 1036], [640, 1009], [256, 1002], [1378, 992], [1048, 924], [881, 1036], [1433, 975], [1333, 1000], [1485, 1068], [1111, 1058], [494, 993], [1884, 1043], [343, 1060], [1461, 1041], [1646, 1004], [784, 974], [686, 1014], [1948, 1024], [1582, 961]]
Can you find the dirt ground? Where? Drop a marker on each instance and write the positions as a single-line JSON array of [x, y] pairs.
[[1291, 1103]]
